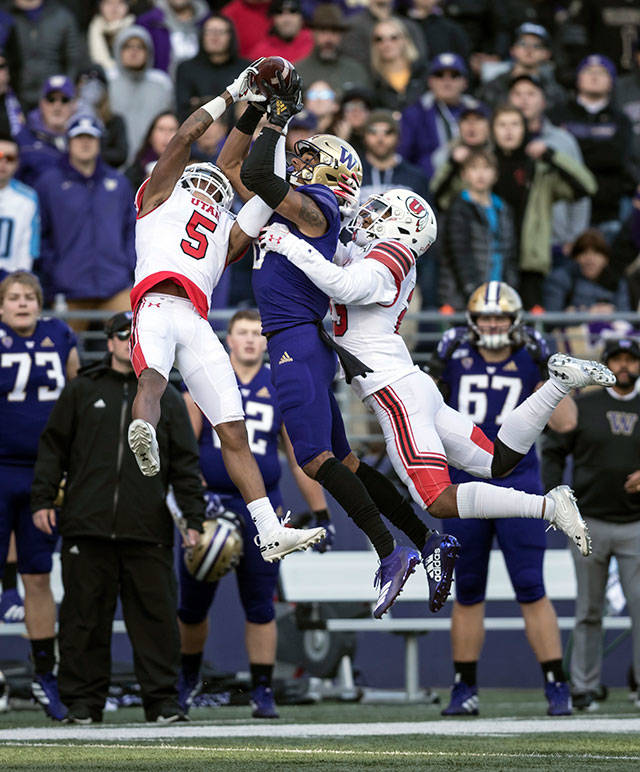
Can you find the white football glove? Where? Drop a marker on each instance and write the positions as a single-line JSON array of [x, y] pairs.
[[347, 191], [242, 90], [278, 238]]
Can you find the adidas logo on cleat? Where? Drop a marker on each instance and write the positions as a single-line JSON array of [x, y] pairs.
[[286, 357], [434, 565]]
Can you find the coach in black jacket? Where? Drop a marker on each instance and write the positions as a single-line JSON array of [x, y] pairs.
[[117, 533]]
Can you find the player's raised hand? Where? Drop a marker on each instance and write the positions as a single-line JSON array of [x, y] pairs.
[[285, 101], [243, 88], [347, 191]]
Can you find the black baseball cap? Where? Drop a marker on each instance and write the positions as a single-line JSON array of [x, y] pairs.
[[620, 345], [526, 76], [121, 321]]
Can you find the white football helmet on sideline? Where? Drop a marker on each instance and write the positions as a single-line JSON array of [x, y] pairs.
[[206, 178], [397, 214]]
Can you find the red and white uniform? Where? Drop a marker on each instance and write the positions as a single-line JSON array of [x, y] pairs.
[[186, 241], [370, 295]]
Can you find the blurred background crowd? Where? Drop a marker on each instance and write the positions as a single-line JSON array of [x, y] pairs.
[[518, 119]]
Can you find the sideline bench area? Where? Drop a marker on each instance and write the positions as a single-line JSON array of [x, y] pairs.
[[347, 576]]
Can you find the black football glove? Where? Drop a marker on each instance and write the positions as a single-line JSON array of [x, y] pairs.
[[285, 101]]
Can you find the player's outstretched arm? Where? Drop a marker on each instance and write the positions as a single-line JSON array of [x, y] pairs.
[[176, 155], [366, 281]]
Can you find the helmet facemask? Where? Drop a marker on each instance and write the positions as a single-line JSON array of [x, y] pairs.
[[495, 340], [496, 299], [369, 223], [208, 181]]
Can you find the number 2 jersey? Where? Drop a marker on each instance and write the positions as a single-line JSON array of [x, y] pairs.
[[183, 239], [488, 391], [263, 422], [32, 375]]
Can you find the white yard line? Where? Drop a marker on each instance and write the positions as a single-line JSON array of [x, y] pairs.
[[465, 727]]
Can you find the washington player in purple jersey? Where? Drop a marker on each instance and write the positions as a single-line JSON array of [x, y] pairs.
[[485, 370], [323, 183], [256, 578], [37, 356]]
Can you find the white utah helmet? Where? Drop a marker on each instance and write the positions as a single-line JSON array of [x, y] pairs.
[[208, 179], [397, 214]]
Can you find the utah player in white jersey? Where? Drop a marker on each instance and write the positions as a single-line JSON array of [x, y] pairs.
[[422, 434], [185, 237]]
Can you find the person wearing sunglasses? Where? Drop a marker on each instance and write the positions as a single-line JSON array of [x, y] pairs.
[[432, 121], [117, 532], [396, 64], [42, 140]]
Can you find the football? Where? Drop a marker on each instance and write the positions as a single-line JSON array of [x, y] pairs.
[[267, 74]]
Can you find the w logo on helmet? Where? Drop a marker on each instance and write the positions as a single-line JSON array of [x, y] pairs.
[[347, 159], [415, 207]]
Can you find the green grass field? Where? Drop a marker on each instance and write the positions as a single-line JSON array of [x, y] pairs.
[[512, 733]]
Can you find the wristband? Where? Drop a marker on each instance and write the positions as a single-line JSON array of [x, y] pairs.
[[248, 122], [321, 514], [216, 107]]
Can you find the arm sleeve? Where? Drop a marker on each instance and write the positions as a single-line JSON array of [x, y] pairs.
[[53, 450], [184, 472], [367, 281]]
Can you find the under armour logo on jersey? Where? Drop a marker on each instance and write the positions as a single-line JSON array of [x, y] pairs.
[[100, 403], [621, 423], [286, 357], [47, 342]]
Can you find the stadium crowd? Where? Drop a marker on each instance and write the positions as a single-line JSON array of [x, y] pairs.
[[518, 120]]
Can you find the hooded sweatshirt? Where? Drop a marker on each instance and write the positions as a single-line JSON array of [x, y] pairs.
[[138, 95]]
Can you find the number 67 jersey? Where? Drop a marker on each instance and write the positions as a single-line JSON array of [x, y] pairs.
[[183, 239]]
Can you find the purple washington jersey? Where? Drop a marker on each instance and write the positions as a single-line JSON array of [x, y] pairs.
[[32, 375], [488, 391], [263, 422], [286, 297]]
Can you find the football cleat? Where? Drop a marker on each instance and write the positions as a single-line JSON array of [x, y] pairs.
[[391, 576], [281, 541], [263, 703], [439, 556], [143, 443], [566, 518], [576, 373], [44, 689], [559, 698], [464, 701], [188, 688], [11, 607]]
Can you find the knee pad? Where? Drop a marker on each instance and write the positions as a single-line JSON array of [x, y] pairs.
[[257, 599], [528, 585], [470, 588]]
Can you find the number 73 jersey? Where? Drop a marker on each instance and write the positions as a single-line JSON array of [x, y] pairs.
[[183, 239], [32, 375]]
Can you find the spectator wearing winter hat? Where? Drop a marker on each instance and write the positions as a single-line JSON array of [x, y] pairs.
[[328, 61], [432, 121], [530, 55], [288, 37], [43, 140], [88, 223], [605, 136], [137, 91]]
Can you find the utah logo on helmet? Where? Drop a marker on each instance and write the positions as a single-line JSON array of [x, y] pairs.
[[218, 550]]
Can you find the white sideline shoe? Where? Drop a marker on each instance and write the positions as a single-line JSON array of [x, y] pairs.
[[567, 518], [576, 373], [281, 541], [143, 443]]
